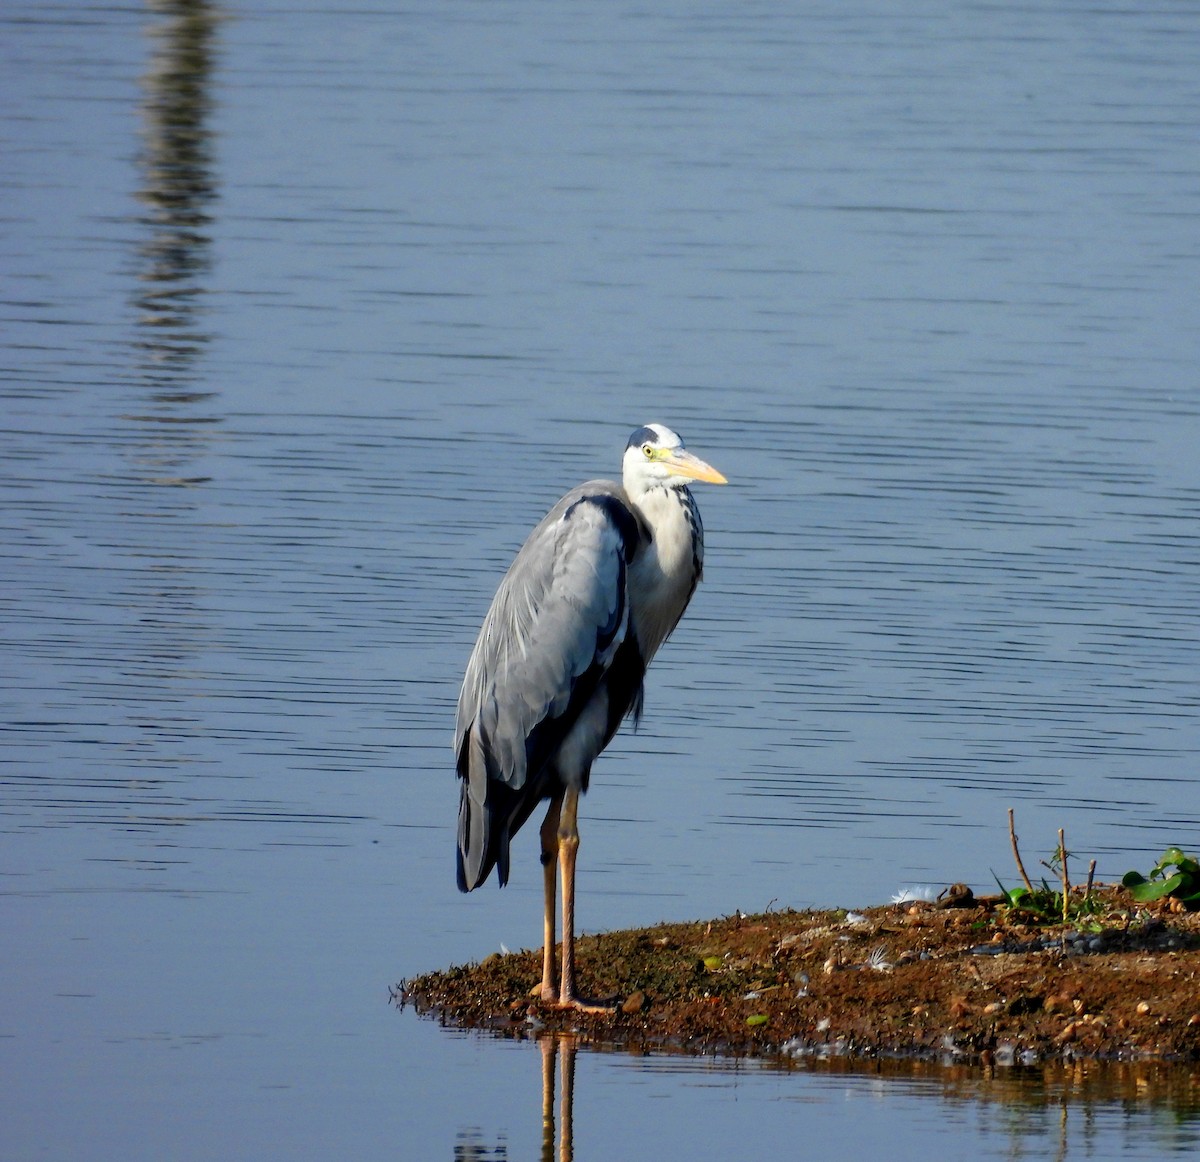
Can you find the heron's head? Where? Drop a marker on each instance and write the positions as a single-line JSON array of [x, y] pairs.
[[656, 458]]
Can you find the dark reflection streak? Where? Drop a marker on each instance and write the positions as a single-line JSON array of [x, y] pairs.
[[160, 592], [178, 187]]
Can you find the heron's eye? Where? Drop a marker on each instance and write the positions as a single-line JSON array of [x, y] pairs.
[[648, 451]]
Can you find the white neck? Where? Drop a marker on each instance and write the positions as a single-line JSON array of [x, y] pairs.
[[664, 574]]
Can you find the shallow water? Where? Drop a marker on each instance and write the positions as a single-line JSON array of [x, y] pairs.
[[310, 314]]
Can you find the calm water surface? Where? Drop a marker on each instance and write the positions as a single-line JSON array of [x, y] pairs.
[[308, 315]]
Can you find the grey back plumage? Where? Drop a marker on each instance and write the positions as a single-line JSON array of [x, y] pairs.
[[559, 629]]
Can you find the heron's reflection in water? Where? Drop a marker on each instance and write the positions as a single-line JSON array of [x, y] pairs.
[[558, 1057], [550, 1046]]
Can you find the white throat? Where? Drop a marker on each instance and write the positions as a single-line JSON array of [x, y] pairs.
[[665, 573]]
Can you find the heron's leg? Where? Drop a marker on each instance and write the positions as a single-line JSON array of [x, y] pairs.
[[568, 845], [549, 836]]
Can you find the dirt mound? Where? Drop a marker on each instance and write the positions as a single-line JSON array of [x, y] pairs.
[[962, 979]]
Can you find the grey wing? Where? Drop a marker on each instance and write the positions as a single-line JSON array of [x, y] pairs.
[[554, 629]]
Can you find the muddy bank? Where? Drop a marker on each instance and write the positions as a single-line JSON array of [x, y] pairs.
[[968, 982]]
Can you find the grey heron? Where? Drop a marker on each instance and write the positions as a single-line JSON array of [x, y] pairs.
[[595, 590]]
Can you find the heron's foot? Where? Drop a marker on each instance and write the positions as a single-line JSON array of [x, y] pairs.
[[549, 995], [584, 1005]]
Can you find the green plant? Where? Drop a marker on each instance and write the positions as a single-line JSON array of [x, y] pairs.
[[1183, 883], [1044, 905]]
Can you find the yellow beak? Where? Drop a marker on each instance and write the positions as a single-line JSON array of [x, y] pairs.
[[683, 463]]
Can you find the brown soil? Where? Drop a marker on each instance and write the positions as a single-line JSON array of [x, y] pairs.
[[963, 979]]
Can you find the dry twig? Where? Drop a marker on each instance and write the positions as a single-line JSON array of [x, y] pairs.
[[1066, 883], [1012, 835]]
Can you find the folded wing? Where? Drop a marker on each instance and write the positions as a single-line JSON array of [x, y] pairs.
[[557, 635]]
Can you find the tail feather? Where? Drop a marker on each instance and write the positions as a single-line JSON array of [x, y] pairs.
[[482, 844], [491, 812], [484, 818]]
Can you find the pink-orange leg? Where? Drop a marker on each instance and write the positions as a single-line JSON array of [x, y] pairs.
[[568, 846]]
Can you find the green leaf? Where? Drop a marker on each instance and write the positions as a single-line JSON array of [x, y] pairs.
[[1132, 879], [757, 1019], [713, 962], [1146, 893], [1155, 891]]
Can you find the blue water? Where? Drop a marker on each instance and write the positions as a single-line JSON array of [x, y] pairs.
[[308, 315]]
